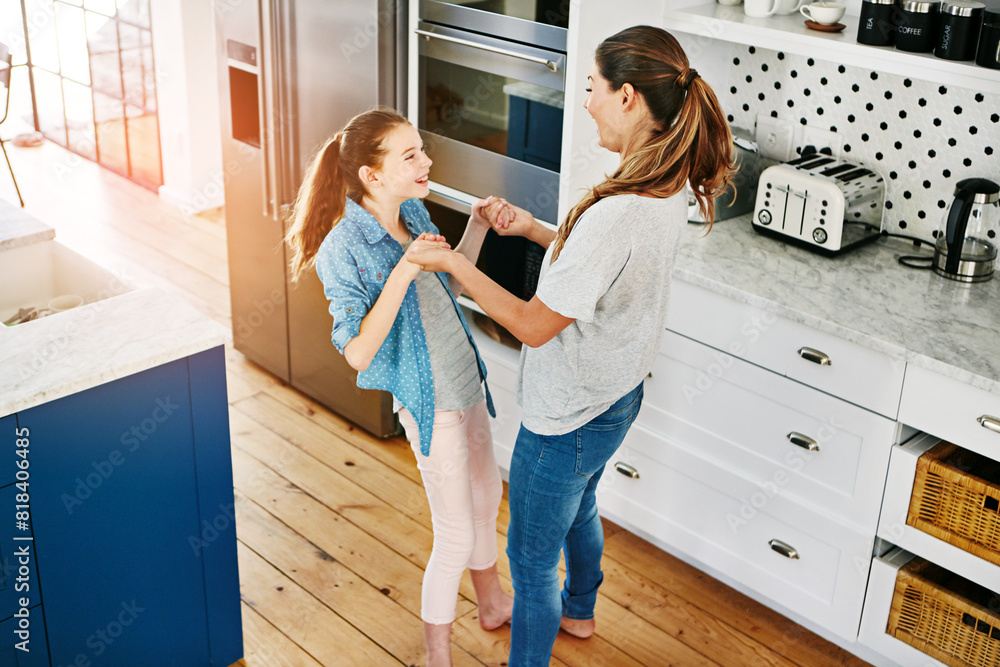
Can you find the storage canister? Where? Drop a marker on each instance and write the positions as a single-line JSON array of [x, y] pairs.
[[916, 25], [875, 27], [989, 39], [958, 29]]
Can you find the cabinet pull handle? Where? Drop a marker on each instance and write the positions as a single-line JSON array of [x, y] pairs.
[[815, 356], [627, 470], [992, 423], [786, 550], [803, 441]]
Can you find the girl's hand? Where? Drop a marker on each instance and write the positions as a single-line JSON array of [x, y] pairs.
[[424, 242]]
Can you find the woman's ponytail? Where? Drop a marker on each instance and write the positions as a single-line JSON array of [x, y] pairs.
[[319, 206], [691, 142]]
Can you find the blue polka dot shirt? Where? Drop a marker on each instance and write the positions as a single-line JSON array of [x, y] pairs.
[[353, 262]]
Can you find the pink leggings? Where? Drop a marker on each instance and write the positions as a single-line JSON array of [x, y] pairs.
[[463, 490]]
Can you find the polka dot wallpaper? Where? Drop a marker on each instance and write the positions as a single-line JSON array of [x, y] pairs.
[[921, 137]]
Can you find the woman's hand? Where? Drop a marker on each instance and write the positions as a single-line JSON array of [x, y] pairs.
[[432, 257], [510, 220], [422, 244], [480, 208]]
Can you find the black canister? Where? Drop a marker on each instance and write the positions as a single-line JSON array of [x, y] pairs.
[[875, 27], [916, 25], [989, 39], [959, 24]]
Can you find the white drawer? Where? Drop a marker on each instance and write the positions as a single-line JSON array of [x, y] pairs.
[[501, 368], [896, 504], [742, 416], [855, 373], [728, 523], [875, 619], [950, 410]]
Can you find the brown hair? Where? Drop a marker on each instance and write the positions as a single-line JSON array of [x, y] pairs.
[[691, 140], [332, 176]]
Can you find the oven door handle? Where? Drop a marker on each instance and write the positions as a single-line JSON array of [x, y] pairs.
[[492, 49]]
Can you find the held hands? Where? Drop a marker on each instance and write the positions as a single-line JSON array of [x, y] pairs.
[[424, 248], [505, 218]]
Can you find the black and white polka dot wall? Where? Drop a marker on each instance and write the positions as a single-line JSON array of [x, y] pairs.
[[922, 137]]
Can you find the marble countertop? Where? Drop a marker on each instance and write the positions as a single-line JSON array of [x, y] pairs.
[[18, 227], [864, 296], [77, 349]]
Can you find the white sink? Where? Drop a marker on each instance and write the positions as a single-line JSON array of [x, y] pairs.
[[32, 275]]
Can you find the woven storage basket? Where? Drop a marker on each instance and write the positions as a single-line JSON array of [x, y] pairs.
[[956, 498], [947, 617]]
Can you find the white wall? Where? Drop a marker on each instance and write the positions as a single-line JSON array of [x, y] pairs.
[[188, 97]]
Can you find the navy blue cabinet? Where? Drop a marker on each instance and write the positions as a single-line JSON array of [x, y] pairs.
[[132, 513]]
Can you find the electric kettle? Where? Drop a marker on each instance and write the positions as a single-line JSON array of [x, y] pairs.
[[966, 249]]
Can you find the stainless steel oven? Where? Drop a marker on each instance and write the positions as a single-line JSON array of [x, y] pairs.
[[488, 98]]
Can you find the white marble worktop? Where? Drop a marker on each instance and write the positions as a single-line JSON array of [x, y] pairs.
[[59, 355], [18, 227], [77, 349], [864, 296]]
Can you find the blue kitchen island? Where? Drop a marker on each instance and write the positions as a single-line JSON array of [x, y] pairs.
[[117, 530]]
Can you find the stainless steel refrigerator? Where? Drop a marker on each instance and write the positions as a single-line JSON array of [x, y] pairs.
[[291, 73]]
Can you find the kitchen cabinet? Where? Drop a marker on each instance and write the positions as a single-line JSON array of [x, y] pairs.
[[131, 506]]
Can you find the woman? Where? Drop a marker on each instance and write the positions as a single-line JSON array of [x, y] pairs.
[[359, 219], [593, 327]]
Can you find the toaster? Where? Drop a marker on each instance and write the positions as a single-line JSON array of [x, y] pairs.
[[821, 203]]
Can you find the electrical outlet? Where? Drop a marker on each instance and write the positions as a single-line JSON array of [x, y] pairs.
[[821, 140], [775, 137]]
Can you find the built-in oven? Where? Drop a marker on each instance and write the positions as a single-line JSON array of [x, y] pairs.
[[488, 94]]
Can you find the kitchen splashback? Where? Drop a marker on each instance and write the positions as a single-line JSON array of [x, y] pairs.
[[922, 137]]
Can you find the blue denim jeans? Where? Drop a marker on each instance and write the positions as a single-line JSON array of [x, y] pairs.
[[553, 480]]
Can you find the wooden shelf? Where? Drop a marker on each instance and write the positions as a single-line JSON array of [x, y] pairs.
[[789, 34]]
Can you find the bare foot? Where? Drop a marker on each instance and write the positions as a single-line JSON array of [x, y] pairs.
[[498, 613], [495, 605], [578, 627]]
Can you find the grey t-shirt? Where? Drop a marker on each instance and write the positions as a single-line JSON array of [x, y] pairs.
[[612, 277]]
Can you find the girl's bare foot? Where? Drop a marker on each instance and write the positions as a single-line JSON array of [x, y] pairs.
[[578, 627], [438, 641], [495, 605]]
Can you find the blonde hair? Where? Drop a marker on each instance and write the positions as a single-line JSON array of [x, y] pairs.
[[693, 143], [332, 176]]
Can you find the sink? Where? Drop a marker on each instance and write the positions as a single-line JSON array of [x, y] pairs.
[[32, 275]]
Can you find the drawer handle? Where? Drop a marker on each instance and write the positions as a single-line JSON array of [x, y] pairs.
[[786, 550], [815, 356], [627, 470], [992, 423], [803, 441]]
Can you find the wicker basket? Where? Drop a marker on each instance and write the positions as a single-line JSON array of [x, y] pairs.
[[947, 617], [956, 498]]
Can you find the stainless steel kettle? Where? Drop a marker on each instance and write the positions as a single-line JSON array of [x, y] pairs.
[[966, 249]]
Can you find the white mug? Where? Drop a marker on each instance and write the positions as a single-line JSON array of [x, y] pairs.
[[788, 6], [759, 8], [824, 13]]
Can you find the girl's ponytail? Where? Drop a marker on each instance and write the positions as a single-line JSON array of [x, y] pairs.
[[332, 177], [318, 207]]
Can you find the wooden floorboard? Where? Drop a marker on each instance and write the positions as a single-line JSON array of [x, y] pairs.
[[333, 525]]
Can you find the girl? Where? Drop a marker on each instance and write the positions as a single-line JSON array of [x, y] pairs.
[[359, 219], [595, 323]]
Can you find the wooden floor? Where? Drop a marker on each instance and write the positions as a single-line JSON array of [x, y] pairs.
[[333, 525]]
